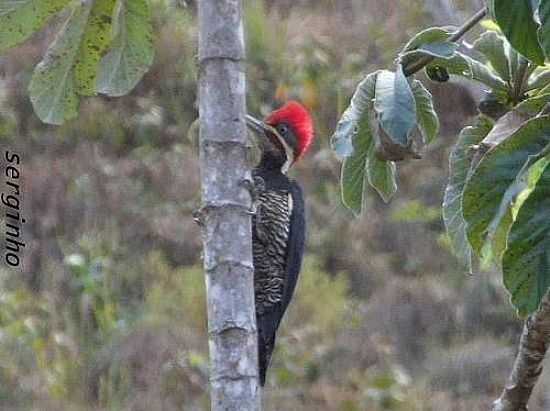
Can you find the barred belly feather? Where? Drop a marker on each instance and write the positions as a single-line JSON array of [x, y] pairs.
[[270, 238]]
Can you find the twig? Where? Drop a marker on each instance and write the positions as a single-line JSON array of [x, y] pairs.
[[528, 364], [467, 26]]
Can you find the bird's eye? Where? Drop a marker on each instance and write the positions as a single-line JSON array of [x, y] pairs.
[[282, 129]]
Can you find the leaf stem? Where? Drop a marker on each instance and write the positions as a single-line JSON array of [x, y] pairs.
[[467, 26], [521, 79]]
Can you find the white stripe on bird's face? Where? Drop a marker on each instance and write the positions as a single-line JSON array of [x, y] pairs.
[[261, 127], [289, 152]]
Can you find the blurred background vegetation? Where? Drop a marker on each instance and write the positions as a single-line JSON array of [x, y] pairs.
[[109, 310]]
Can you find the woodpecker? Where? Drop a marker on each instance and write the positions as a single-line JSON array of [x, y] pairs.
[[278, 223]]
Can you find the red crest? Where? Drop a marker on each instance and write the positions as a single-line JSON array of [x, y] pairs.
[[298, 118]]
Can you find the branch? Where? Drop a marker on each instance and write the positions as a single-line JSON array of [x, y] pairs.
[[224, 217], [528, 364], [425, 60]]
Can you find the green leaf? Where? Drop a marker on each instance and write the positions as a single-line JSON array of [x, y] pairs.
[[350, 123], [526, 262], [432, 41], [95, 41], [491, 10], [489, 24], [430, 35], [472, 69], [544, 30], [493, 46], [515, 18], [496, 171], [131, 52], [496, 243], [444, 50], [534, 105], [459, 169], [505, 127], [21, 18], [512, 200], [428, 121], [52, 87], [381, 175], [352, 181], [395, 106], [539, 79], [514, 61]]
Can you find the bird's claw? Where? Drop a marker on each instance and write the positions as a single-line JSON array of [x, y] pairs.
[[198, 216], [259, 183], [247, 183]]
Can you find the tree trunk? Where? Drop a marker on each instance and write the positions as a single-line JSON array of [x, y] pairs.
[[224, 215]]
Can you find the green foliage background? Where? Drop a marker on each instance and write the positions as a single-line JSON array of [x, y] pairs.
[[108, 313]]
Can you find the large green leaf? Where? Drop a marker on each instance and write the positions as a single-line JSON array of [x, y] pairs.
[[96, 39], [363, 166], [493, 46], [526, 261], [52, 88], [497, 232], [496, 171], [512, 200], [395, 106], [131, 52], [516, 19], [354, 169], [459, 169], [350, 124], [21, 18], [544, 30], [428, 121]]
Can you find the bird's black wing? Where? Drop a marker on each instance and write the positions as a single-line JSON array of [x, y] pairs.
[[296, 243], [269, 321]]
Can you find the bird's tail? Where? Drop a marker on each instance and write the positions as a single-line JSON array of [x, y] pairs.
[[265, 349]]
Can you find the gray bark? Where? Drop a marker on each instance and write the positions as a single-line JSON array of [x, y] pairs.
[[528, 364], [224, 215]]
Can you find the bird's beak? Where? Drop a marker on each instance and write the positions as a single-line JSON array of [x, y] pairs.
[[264, 133], [259, 126]]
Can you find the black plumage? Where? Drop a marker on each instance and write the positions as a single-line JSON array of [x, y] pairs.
[[278, 245]]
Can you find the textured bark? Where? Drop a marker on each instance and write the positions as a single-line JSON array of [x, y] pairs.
[[528, 364], [224, 216]]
